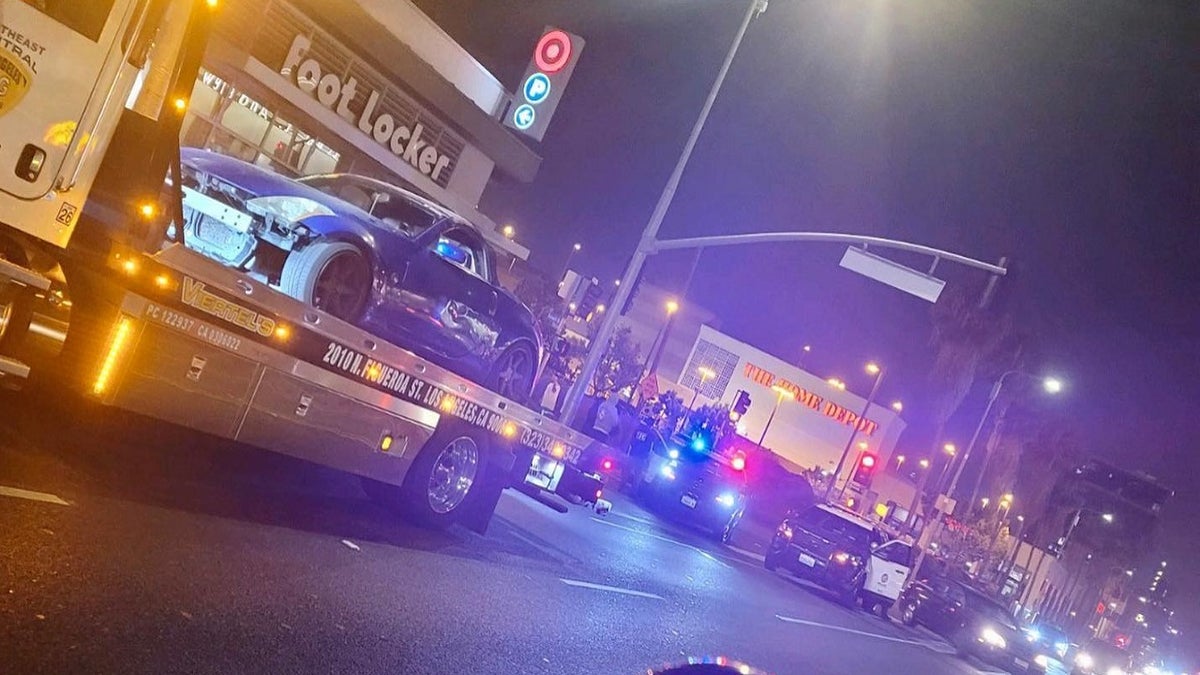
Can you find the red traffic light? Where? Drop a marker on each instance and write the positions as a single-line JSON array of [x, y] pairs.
[[867, 461]]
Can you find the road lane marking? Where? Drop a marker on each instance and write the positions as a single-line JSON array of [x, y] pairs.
[[610, 589], [928, 644], [6, 491], [701, 551]]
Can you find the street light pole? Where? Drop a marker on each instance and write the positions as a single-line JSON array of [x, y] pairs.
[[780, 394], [854, 431], [650, 233]]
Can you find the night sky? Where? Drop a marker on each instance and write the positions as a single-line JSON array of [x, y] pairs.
[[1063, 135]]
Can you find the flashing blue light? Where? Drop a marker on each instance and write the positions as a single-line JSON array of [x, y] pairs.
[[698, 444], [673, 453], [726, 499]]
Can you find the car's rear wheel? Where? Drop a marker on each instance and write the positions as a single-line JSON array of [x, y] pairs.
[[725, 534], [513, 371], [332, 276]]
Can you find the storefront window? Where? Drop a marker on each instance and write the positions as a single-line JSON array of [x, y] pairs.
[[230, 122]]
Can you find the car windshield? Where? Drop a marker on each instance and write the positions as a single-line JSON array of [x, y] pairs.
[[988, 608], [388, 204]]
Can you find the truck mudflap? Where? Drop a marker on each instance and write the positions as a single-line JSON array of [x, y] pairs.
[[200, 345]]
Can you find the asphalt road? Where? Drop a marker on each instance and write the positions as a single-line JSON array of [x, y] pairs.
[[133, 547]]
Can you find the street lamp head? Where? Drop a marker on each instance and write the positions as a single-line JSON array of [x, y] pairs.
[[924, 463], [672, 306], [616, 282], [1021, 519], [873, 368], [1108, 517], [807, 348], [600, 308], [577, 246], [1052, 385], [509, 231], [984, 502], [950, 449], [1007, 497], [838, 384], [897, 406], [706, 373], [899, 460], [783, 392], [862, 445], [571, 306]]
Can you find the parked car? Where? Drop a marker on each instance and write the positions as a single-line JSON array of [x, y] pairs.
[[842, 552], [371, 254], [689, 479], [1097, 657], [974, 623]]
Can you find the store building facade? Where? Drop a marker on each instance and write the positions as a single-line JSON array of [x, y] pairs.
[[306, 87]]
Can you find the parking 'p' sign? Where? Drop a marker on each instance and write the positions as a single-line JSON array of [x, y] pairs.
[[553, 60], [537, 88]]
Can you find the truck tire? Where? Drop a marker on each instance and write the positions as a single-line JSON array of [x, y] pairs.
[[333, 276], [446, 478]]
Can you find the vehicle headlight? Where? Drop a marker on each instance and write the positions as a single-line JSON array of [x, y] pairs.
[[1042, 660], [673, 453], [1061, 648], [991, 637], [1033, 634], [843, 558], [668, 471], [726, 499], [288, 209], [1084, 660]]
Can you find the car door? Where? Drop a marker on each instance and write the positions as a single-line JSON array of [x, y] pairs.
[[449, 281], [888, 569]]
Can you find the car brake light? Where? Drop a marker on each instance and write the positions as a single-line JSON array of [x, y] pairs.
[[607, 465], [738, 462]]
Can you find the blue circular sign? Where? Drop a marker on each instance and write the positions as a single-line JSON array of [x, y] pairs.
[[523, 116], [537, 88]]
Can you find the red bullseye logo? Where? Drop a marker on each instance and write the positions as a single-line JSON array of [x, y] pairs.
[[553, 51]]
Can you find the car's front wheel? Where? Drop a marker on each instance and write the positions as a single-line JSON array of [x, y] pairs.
[[513, 371], [333, 276]]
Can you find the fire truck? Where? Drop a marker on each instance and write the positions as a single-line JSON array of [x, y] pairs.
[[97, 294]]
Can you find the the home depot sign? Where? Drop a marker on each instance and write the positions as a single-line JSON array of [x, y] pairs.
[[404, 141], [810, 400]]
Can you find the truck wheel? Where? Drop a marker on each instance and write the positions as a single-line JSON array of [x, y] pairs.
[[332, 276], [512, 373], [445, 477]]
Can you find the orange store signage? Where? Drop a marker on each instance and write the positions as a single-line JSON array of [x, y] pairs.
[[810, 400]]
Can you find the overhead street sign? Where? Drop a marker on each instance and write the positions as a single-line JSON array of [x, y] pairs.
[[893, 274]]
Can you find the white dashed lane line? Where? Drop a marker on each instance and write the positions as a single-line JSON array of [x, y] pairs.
[[32, 496], [928, 644], [610, 589]]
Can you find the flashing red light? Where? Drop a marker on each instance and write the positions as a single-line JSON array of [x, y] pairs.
[[738, 462], [868, 461], [607, 465]]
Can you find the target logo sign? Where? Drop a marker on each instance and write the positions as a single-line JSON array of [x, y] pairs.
[[554, 59], [553, 51]]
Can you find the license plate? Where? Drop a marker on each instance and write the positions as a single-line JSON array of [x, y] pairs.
[[807, 560], [1020, 663], [215, 232], [688, 501]]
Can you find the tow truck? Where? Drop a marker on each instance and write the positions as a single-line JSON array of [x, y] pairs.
[[99, 296]]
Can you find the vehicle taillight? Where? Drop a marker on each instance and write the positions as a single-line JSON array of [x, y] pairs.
[[738, 462], [607, 465]]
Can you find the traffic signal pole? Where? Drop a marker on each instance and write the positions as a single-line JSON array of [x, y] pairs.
[[850, 442], [649, 243]]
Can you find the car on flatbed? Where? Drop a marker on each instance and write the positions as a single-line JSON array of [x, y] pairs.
[[371, 254]]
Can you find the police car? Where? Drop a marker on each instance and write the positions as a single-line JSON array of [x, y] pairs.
[[843, 552]]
